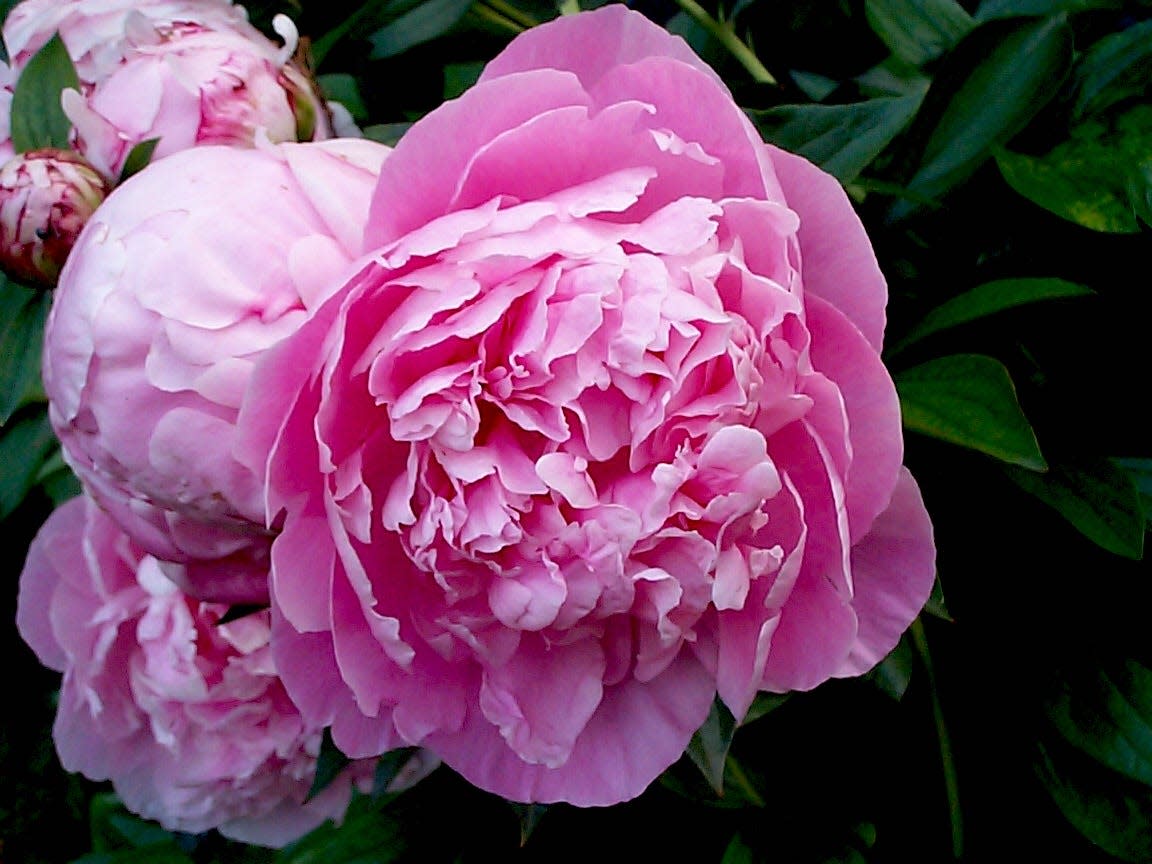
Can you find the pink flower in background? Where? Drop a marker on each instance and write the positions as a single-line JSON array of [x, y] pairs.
[[184, 714], [7, 83], [188, 273], [600, 431], [187, 73], [46, 196]]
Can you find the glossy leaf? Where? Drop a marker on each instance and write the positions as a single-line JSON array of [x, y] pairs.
[[1116, 67], [988, 299], [969, 399], [424, 22], [918, 31], [1016, 69], [1091, 178], [24, 445], [37, 118], [1097, 497], [23, 312], [137, 159], [841, 139]]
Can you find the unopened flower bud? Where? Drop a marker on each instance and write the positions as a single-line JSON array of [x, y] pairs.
[[46, 196]]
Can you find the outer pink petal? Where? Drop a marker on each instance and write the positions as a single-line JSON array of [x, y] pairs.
[[893, 568], [839, 264], [639, 730], [591, 43], [58, 541]]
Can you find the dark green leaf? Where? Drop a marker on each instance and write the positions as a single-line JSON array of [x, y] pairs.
[[763, 704], [1095, 177], [1097, 497], [114, 828], [458, 77], [988, 299], [529, 816], [969, 399], [918, 31], [815, 87], [343, 88], [738, 852], [23, 312], [893, 77], [368, 834], [57, 479], [841, 139], [1140, 471], [1014, 71], [936, 607], [138, 159], [329, 763], [388, 766], [37, 118], [386, 133], [137, 856], [1116, 67], [991, 10], [24, 445], [709, 747], [425, 22], [893, 673]]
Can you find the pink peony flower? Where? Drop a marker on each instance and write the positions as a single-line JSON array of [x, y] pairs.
[[7, 85], [46, 197], [185, 72], [187, 274], [600, 431], [184, 714]]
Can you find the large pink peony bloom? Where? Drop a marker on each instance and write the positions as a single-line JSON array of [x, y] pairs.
[[187, 273], [185, 72], [185, 715], [599, 432]]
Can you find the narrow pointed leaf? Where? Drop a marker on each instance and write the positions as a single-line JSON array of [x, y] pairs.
[[709, 747], [425, 22], [918, 31], [969, 399], [23, 312], [37, 118], [138, 159], [1097, 497], [329, 763], [1116, 67]]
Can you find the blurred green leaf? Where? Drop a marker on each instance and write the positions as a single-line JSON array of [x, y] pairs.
[[529, 816], [388, 766], [709, 747], [368, 834], [969, 399], [841, 139], [57, 479], [918, 31], [988, 299], [386, 133], [430, 19], [137, 856], [343, 88], [1140, 471], [1116, 67], [37, 118], [1015, 70], [1097, 497], [114, 828], [764, 703], [458, 77], [24, 445], [23, 312], [329, 763], [738, 852], [894, 672], [1098, 764], [1092, 178], [137, 159], [991, 10]]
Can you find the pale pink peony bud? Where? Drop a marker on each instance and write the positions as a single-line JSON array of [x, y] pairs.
[[46, 197], [190, 271], [186, 715]]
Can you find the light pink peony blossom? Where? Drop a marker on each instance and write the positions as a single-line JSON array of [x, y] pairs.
[[187, 274], [46, 197], [7, 86], [187, 73], [186, 715], [599, 432]]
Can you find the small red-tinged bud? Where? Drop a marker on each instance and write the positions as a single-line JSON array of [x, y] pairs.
[[46, 197]]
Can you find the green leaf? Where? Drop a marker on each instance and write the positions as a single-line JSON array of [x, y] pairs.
[[894, 672], [24, 445], [841, 139], [425, 22], [1097, 497], [918, 31], [988, 299], [37, 118], [991, 10], [764, 703], [329, 763], [458, 77], [386, 133], [1095, 757], [23, 312], [367, 834], [709, 747], [1116, 67], [138, 159], [114, 828], [57, 479], [969, 399], [1012, 72], [738, 852], [343, 88], [529, 816], [1092, 178], [1140, 471], [388, 766]]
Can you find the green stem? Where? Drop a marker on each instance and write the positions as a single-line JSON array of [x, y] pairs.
[[518, 15], [493, 17], [569, 7], [947, 760], [727, 37], [736, 774]]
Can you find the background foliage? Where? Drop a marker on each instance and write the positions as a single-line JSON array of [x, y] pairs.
[[1000, 153]]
